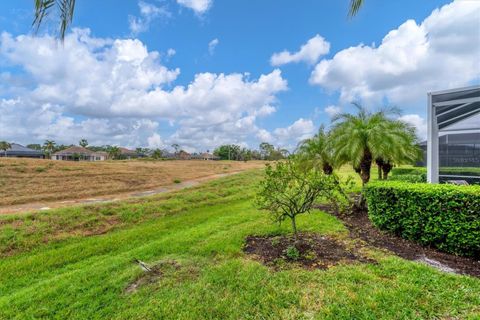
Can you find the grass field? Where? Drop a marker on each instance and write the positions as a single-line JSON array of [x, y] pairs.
[[78, 263], [32, 180]]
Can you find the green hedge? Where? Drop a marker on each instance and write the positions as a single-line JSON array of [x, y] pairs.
[[415, 178], [443, 216], [466, 171], [409, 171]]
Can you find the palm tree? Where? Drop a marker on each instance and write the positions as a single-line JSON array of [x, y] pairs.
[[113, 152], [49, 146], [403, 149], [4, 145], [83, 143], [361, 138], [65, 9], [176, 146], [317, 151]]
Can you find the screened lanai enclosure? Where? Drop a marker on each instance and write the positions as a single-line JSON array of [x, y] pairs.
[[453, 141]]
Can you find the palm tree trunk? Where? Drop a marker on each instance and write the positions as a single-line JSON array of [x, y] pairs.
[[327, 168], [386, 168], [365, 166], [379, 162]]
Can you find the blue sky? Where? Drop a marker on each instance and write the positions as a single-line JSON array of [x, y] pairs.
[[200, 72]]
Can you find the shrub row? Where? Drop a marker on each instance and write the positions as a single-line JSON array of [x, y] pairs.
[[409, 171], [443, 216], [467, 171], [415, 178]]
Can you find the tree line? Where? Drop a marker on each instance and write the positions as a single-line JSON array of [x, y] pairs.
[[266, 151]]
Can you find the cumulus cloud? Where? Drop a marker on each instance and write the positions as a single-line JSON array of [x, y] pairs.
[[296, 132], [171, 52], [332, 111], [117, 91], [418, 123], [310, 52], [198, 6], [441, 52], [155, 141], [212, 45], [148, 13]]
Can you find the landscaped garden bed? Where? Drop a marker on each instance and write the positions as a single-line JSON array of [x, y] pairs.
[[309, 250], [360, 227]]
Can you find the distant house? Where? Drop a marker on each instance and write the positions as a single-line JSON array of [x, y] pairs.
[[128, 154], [183, 155], [79, 154], [19, 151], [208, 156]]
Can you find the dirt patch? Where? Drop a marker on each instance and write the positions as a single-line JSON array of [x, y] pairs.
[[153, 275], [360, 227], [311, 251]]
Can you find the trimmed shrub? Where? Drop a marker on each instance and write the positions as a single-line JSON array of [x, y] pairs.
[[443, 216]]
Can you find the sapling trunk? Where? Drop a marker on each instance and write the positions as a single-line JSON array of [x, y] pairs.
[[294, 227]]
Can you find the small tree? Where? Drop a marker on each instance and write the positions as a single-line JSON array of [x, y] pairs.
[[4, 145], [290, 189]]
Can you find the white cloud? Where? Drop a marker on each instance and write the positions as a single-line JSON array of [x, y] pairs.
[[332, 110], [441, 52], [148, 13], [198, 6], [212, 45], [309, 52], [171, 52], [296, 132], [155, 141], [117, 91], [418, 123]]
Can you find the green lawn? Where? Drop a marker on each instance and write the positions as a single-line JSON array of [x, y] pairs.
[[76, 263]]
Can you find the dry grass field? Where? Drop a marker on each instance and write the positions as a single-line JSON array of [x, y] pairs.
[[32, 180]]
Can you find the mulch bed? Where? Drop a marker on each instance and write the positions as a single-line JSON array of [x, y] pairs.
[[313, 251], [360, 227]]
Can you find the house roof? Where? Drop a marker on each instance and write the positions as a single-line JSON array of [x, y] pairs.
[[126, 151], [18, 149], [74, 150], [208, 155]]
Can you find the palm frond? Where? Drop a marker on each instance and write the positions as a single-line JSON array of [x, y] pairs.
[[44, 7], [355, 6]]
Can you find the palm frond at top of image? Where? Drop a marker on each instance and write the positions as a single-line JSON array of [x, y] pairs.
[[355, 6], [44, 8]]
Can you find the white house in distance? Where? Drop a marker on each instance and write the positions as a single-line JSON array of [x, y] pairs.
[[79, 154]]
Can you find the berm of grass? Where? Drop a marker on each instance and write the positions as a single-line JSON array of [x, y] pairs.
[[80, 263]]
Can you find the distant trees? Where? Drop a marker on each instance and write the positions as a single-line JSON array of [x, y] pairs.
[[157, 154], [4, 145], [83, 143], [235, 152], [34, 146], [228, 152]]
